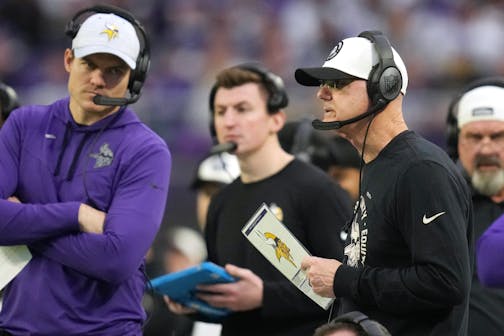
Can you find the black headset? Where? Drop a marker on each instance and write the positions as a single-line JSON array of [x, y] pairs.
[[452, 130], [277, 96], [385, 80], [371, 327], [8, 100], [138, 76]]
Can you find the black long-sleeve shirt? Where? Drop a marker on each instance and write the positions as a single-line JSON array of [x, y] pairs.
[[409, 251], [313, 208]]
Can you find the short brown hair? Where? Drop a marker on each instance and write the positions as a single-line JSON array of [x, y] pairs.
[[236, 76]]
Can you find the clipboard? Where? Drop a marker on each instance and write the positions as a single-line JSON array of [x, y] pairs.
[[282, 249], [181, 286]]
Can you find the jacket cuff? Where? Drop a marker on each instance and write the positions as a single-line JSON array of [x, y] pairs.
[[345, 281]]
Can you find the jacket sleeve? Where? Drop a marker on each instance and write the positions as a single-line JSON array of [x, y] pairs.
[[131, 223], [17, 220], [437, 277], [490, 255]]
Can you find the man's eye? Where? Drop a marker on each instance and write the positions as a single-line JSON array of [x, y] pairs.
[[335, 84]]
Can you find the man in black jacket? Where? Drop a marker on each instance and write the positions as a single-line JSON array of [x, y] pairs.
[[408, 251]]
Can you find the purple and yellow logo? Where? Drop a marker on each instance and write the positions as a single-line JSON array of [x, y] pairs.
[[111, 30]]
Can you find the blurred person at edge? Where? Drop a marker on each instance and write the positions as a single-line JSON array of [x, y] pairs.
[[408, 253], [247, 104], [490, 251], [182, 247], [87, 184], [213, 173], [352, 324], [8, 101], [475, 139]]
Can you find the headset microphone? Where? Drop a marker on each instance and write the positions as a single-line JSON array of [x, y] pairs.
[[332, 125], [109, 101], [229, 147]]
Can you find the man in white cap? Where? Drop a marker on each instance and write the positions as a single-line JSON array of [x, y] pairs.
[[476, 137], [84, 184], [408, 250]]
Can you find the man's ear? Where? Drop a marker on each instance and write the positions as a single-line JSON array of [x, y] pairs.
[[68, 58], [278, 121]]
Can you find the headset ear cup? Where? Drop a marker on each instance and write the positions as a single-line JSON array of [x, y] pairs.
[[139, 75], [211, 124], [390, 83], [373, 90], [8, 100], [385, 79], [452, 130]]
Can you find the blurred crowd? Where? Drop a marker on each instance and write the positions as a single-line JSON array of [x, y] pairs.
[[444, 43]]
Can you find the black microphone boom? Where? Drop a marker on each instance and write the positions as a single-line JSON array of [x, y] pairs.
[[229, 147], [109, 101], [333, 125]]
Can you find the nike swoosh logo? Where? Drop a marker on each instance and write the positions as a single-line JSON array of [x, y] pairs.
[[50, 136], [427, 220]]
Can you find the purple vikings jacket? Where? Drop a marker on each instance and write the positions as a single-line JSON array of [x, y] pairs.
[[79, 283], [490, 255]]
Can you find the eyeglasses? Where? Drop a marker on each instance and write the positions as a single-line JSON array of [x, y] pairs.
[[336, 83], [476, 139]]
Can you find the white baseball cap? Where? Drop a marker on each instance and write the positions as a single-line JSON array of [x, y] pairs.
[[220, 168], [188, 241], [107, 33], [352, 57], [482, 103]]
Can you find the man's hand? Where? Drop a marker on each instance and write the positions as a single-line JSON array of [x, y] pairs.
[[177, 308], [13, 199], [320, 273], [90, 219], [244, 294]]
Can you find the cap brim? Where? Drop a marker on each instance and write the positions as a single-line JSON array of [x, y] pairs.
[[96, 49], [313, 76]]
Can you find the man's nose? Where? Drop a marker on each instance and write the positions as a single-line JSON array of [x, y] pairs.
[[97, 78], [324, 93]]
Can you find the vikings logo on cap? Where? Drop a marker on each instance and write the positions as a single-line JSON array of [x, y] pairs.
[[111, 30], [335, 51]]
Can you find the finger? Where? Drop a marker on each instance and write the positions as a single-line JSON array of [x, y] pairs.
[[236, 271], [306, 263], [215, 288]]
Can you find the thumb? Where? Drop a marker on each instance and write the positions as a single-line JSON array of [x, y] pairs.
[[306, 262], [236, 271]]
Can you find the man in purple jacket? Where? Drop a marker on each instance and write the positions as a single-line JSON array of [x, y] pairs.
[[84, 185]]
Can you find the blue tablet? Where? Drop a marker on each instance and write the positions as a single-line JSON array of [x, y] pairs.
[[181, 286]]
